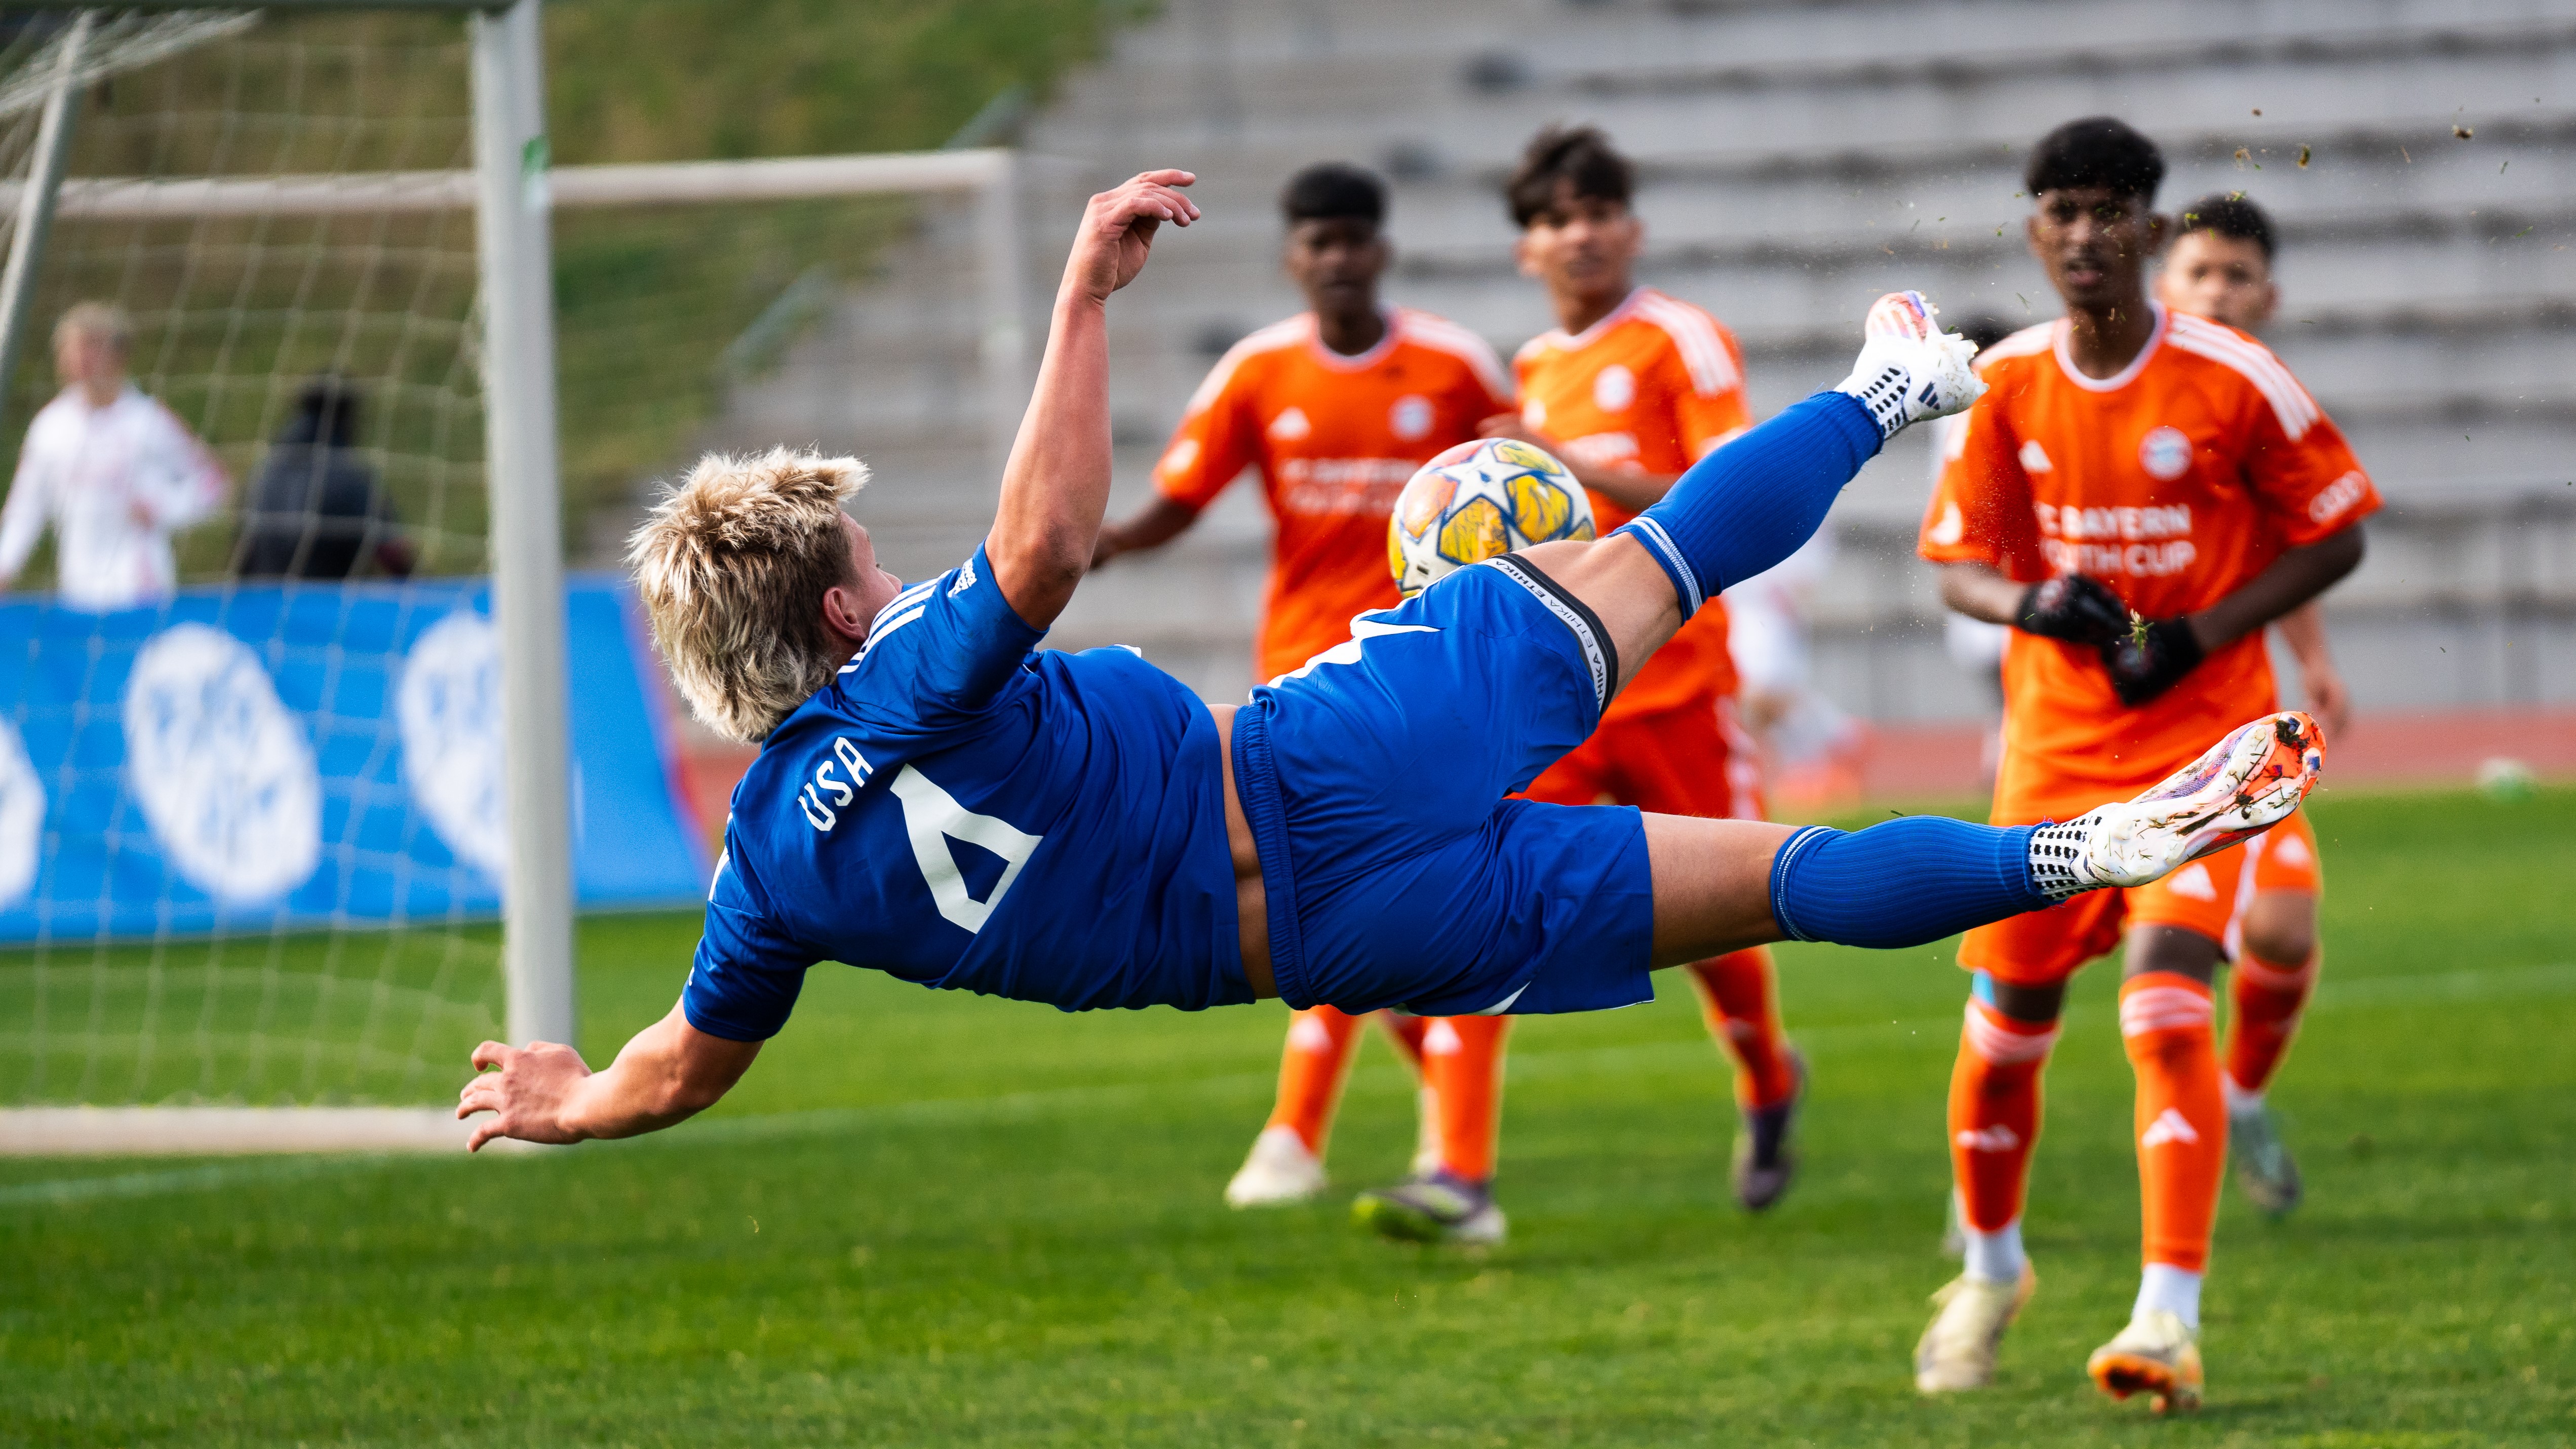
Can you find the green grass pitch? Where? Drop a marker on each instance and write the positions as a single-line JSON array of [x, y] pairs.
[[927, 1220]]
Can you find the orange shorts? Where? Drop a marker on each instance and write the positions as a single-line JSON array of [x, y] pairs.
[[1694, 761], [2209, 896]]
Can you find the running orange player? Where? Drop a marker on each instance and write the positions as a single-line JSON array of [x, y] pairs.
[[1633, 388], [2220, 267], [1334, 408], [2138, 494]]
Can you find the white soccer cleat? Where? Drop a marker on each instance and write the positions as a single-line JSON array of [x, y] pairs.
[[2155, 1355], [2247, 783], [1957, 1352], [1278, 1171], [1909, 369]]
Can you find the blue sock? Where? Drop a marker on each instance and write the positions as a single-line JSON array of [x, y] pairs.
[[1901, 882], [1751, 503]]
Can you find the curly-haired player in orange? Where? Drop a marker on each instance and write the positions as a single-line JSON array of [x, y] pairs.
[[1632, 388]]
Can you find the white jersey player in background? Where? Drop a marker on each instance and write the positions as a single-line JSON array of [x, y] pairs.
[[111, 469]]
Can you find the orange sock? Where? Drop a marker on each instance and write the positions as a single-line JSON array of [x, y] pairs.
[[1311, 1069], [1742, 1008], [1406, 1031], [1994, 1113], [2265, 999], [2169, 1025], [1462, 1063]]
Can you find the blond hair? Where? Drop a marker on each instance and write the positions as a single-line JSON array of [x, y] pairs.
[[732, 566], [102, 320]]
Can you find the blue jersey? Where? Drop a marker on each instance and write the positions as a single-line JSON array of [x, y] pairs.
[[960, 809]]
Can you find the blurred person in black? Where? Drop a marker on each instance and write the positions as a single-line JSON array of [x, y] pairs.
[[317, 509]]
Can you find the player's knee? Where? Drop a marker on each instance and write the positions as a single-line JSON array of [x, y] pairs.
[[2179, 950], [2035, 1005], [2281, 926]]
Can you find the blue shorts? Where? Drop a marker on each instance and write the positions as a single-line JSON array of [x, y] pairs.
[[1374, 782]]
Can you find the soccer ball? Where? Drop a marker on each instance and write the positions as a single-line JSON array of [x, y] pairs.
[[1479, 501]]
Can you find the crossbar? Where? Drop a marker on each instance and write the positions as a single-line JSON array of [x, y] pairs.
[[652, 183]]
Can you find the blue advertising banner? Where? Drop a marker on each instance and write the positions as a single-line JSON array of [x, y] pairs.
[[310, 755]]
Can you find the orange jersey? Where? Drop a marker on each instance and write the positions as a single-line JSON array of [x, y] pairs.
[[1654, 385], [1334, 439], [2174, 484]]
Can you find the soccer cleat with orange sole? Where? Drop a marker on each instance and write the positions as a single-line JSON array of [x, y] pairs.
[[2247, 783], [2155, 1355]]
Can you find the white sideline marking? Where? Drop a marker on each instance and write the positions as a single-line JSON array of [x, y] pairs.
[[2556, 979]]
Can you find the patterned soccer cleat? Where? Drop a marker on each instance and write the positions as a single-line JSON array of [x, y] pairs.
[[1435, 1209], [2246, 784], [2264, 1168], [1278, 1171], [1910, 370], [1764, 1163], [2155, 1355], [1957, 1352]]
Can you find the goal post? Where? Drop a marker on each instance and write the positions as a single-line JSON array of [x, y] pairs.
[[527, 517], [509, 190]]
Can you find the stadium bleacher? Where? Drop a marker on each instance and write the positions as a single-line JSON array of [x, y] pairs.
[[1800, 157]]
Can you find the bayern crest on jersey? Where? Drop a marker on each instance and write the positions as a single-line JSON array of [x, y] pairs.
[[1478, 501]]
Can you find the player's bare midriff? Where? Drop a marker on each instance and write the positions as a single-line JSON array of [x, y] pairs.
[[1251, 902]]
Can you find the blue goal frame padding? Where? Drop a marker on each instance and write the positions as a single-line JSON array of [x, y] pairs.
[[201, 825]]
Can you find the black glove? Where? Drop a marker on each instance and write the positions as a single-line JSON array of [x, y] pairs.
[[2147, 664], [2074, 607]]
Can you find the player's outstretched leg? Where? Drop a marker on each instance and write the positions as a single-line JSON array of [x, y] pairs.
[[1909, 881], [1743, 509], [1750, 504]]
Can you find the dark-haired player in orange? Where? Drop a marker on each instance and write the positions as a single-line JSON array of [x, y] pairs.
[[1632, 388], [2220, 267], [2138, 494], [1333, 409]]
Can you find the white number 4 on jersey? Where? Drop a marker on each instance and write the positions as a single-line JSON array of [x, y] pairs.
[[930, 816]]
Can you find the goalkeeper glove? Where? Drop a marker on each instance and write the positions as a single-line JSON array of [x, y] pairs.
[[2074, 607], [2152, 661]]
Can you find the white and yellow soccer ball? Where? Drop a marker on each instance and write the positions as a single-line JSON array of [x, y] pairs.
[[1478, 501]]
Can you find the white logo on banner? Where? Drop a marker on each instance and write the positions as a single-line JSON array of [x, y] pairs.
[[22, 817], [449, 707], [224, 773]]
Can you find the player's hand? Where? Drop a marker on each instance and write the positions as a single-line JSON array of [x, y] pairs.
[[2152, 660], [1118, 229], [2329, 699], [1509, 425], [2073, 607], [527, 1096]]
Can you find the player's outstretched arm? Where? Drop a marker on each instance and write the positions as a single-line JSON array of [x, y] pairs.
[[1056, 486], [543, 1092]]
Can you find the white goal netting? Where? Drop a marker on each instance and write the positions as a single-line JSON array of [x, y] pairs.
[[252, 833]]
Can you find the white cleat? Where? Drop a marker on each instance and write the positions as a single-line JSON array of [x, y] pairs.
[[2247, 783], [2156, 1356], [1957, 1352], [1910, 370], [1278, 1171]]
